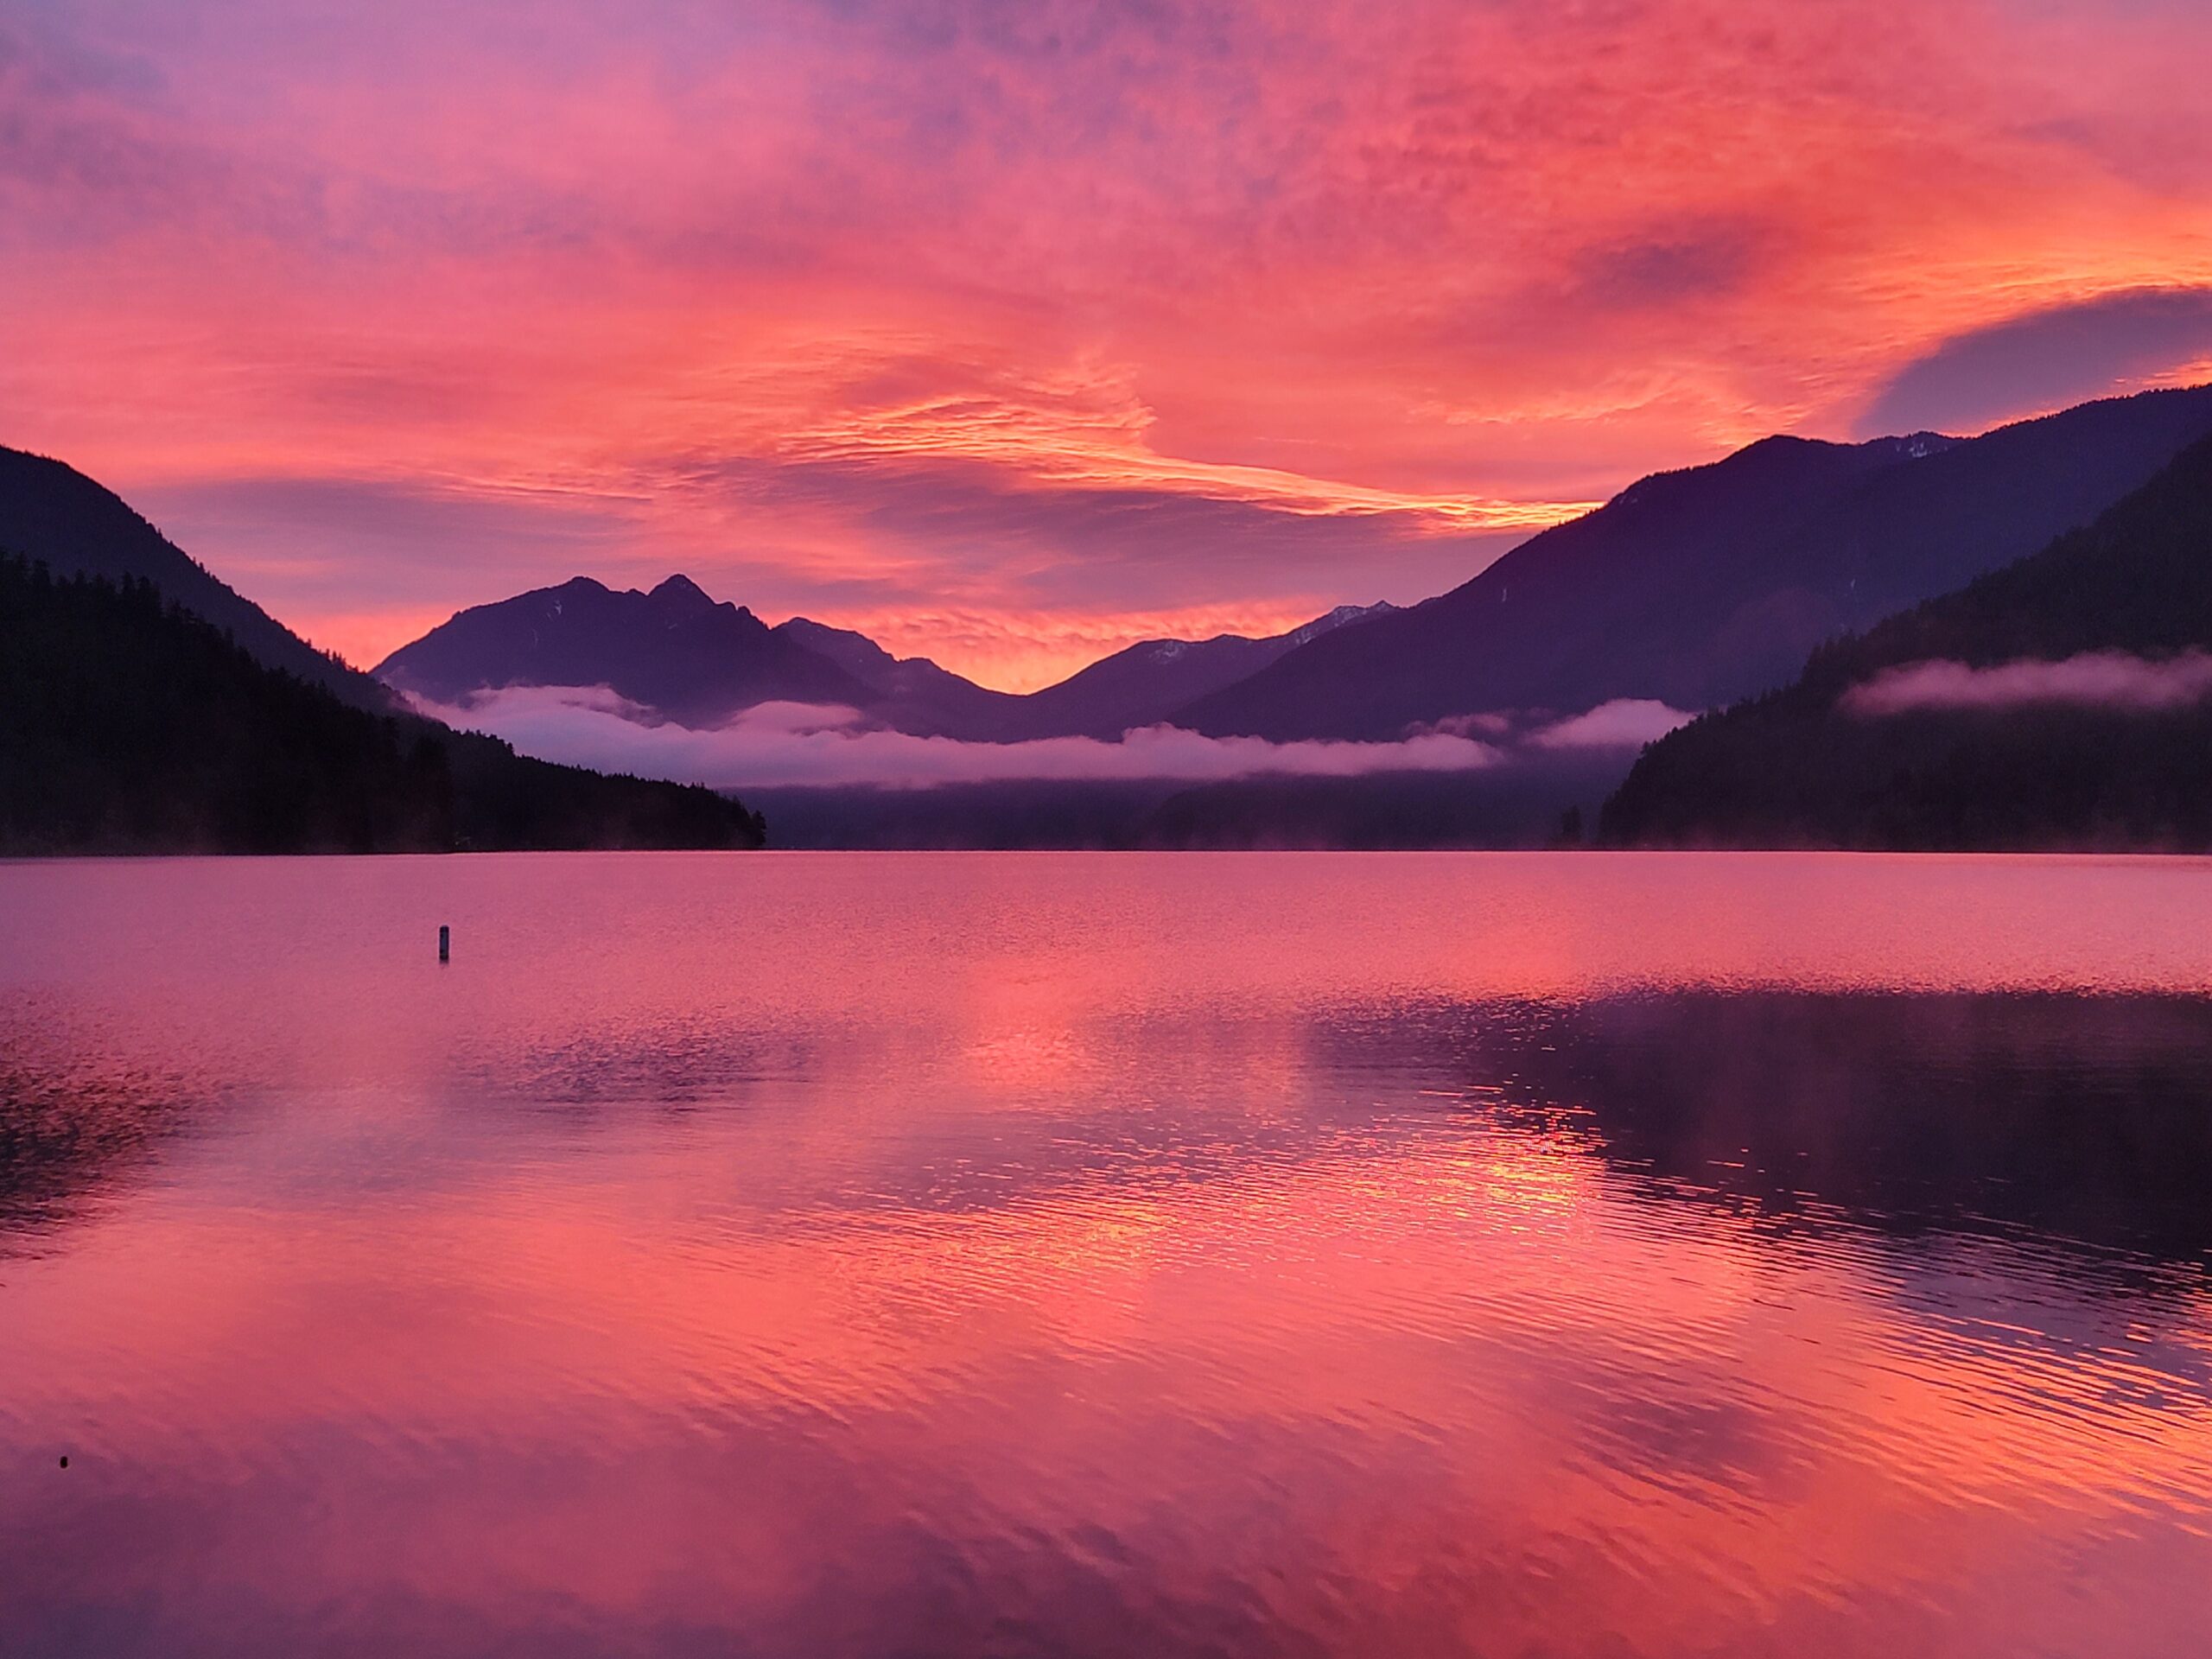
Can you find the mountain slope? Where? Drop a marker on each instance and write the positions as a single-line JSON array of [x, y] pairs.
[[127, 726], [911, 693], [52, 512], [1869, 748], [674, 650], [1148, 682], [1700, 587]]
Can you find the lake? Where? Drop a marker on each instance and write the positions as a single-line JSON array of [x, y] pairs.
[[826, 1255]]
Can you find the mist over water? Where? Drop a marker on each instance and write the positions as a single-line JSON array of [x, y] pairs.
[[822, 1255]]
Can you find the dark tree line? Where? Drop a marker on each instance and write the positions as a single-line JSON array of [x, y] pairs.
[[127, 725], [1798, 767]]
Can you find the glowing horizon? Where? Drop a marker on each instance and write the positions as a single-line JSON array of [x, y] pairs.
[[1013, 335]]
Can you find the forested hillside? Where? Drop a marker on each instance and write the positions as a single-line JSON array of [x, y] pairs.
[[128, 725], [2073, 712]]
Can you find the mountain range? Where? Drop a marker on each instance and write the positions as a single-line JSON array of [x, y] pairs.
[[1689, 589], [679, 655], [1693, 590]]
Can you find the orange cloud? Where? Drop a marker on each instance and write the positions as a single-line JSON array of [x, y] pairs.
[[1042, 316]]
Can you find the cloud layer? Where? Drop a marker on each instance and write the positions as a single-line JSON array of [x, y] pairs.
[[2109, 680], [780, 744], [1623, 723], [1012, 333]]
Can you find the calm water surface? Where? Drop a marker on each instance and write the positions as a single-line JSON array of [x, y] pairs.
[[813, 1255]]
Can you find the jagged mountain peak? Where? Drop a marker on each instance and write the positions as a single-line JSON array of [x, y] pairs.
[[675, 649], [680, 589]]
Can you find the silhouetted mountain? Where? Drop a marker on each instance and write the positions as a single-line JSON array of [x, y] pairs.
[[684, 657], [1149, 682], [674, 650], [1696, 587], [127, 725], [911, 693], [1825, 762], [1140, 686], [52, 512]]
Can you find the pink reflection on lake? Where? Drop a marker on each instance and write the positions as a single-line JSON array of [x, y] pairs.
[[822, 1254]]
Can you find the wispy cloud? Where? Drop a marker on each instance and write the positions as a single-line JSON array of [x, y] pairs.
[[1044, 312], [2112, 680], [777, 745]]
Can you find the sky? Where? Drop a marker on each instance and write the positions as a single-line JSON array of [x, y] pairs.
[[1012, 331]]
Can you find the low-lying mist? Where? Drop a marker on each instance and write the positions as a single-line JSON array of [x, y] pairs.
[[2103, 679], [782, 745]]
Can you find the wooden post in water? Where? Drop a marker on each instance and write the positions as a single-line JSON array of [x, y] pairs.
[[445, 943]]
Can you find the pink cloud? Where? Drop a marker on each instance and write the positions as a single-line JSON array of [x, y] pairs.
[[1036, 314], [2110, 680], [778, 745], [1623, 723]]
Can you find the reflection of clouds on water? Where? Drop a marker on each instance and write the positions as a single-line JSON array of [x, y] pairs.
[[1065, 1256]]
